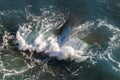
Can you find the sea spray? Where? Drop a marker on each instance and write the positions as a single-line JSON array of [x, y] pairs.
[[41, 38]]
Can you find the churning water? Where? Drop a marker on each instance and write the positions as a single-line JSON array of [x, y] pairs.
[[59, 40]]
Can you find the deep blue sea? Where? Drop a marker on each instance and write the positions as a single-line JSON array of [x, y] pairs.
[[59, 39]]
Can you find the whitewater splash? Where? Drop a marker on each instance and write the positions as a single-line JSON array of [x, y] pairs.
[[38, 35]]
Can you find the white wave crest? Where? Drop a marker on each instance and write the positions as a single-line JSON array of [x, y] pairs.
[[41, 38]]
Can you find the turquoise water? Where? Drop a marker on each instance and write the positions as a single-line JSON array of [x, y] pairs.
[[91, 26]]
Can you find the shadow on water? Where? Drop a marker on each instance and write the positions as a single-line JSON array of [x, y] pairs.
[[100, 36]]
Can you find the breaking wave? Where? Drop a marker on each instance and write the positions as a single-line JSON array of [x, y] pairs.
[[39, 35], [92, 39], [84, 38]]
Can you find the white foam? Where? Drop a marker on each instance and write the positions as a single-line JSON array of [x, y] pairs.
[[50, 46], [42, 39]]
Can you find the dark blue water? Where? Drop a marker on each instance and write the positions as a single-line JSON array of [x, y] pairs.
[[100, 21]]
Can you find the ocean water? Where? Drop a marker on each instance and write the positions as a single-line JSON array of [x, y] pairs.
[[59, 40]]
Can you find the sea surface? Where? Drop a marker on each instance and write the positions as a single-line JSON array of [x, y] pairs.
[[59, 39]]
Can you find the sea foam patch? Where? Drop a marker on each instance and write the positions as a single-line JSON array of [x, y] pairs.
[[38, 35]]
